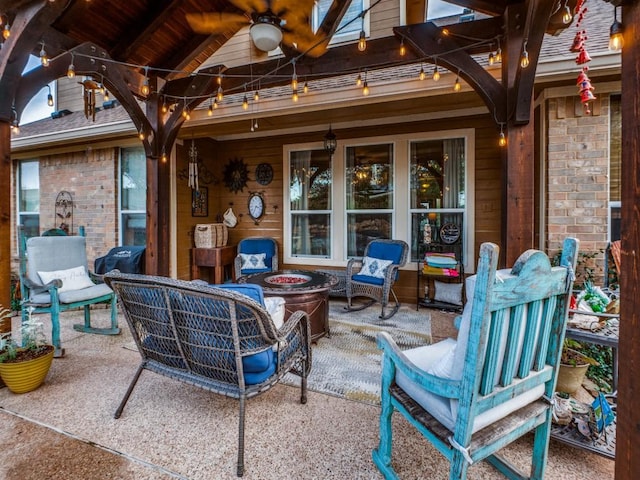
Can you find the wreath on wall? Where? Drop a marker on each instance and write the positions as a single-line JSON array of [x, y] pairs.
[[236, 175]]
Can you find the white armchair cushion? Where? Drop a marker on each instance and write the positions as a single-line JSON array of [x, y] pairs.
[[253, 261], [72, 278], [374, 267]]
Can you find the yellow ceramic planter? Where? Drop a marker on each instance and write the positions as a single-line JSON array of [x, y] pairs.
[[23, 377]]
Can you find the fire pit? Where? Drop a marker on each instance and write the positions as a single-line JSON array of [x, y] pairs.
[[302, 290]]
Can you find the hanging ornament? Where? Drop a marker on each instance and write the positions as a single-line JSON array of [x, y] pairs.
[[89, 94], [578, 42], [193, 166], [583, 57]]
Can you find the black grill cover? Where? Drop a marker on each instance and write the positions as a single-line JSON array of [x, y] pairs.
[[127, 259]]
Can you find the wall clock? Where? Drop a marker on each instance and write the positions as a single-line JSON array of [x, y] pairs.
[[256, 206], [449, 233], [236, 175], [264, 174]]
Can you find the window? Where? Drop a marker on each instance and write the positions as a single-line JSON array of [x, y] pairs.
[[369, 195], [350, 25], [437, 187], [310, 203], [133, 196], [615, 164], [378, 187], [29, 197]]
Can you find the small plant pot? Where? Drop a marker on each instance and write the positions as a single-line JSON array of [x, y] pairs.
[[571, 375], [23, 377]]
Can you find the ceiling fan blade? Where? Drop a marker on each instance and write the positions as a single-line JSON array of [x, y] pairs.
[[251, 6], [305, 41], [280, 7], [215, 22]]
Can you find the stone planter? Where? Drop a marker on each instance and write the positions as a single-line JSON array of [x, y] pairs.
[[571, 375]]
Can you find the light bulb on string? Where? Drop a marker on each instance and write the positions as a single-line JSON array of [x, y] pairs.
[[436, 73], [105, 97], [502, 139], [256, 96], [457, 86], [145, 89], [566, 14], [141, 134], [49, 97], [6, 32], [403, 49], [616, 38], [524, 58], [44, 59], [492, 58], [245, 102], [362, 41], [71, 70], [365, 88], [359, 80], [294, 96], [294, 78], [219, 94], [164, 105], [498, 56], [305, 88], [421, 74], [210, 108], [163, 157]]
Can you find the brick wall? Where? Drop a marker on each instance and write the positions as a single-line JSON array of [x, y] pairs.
[[577, 175]]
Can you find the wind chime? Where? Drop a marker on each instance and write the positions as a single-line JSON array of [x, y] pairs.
[[585, 88], [193, 166], [89, 94]]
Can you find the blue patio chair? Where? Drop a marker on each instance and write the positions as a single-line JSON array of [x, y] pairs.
[[256, 255], [54, 278], [219, 339], [373, 275], [473, 396]]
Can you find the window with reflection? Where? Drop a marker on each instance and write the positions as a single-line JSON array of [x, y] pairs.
[[310, 180], [29, 197], [437, 190], [133, 196], [369, 195]]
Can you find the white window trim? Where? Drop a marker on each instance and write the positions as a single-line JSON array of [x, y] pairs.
[[401, 228], [340, 38]]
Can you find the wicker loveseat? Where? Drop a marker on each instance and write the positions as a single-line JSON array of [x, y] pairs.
[[218, 339]]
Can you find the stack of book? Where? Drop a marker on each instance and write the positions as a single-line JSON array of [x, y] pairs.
[[440, 263]]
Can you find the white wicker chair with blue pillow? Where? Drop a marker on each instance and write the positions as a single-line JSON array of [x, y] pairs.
[[220, 339], [472, 396], [373, 275]]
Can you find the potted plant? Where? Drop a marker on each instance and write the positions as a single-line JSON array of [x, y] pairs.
[[23, 367], [573, 367]]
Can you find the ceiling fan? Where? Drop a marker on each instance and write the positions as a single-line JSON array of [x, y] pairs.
[[272, 22]]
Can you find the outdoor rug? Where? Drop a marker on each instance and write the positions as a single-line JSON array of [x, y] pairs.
[[347, 364]]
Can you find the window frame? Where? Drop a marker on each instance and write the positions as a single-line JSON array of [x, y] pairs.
[[338, 37], [401, 224], [19, 212], [121, 211]]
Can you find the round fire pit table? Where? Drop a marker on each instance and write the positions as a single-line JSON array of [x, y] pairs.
[[302, 290]]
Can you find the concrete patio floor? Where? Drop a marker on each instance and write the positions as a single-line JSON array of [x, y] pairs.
[[65, 429]]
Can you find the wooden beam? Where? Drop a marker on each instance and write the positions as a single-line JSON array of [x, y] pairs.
[[5, 223], [628, 424]]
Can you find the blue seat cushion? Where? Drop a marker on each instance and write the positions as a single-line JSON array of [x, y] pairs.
[[368, 279], [252, 291], [249, 271]]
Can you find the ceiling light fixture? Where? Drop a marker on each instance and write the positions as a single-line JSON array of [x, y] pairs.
[[266, 33], [616, 38]]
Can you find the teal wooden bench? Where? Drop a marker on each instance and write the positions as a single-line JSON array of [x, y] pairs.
[[473, 396]]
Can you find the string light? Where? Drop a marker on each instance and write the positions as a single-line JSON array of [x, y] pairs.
[[164, 156], [215, 103], [421, 75], [524, 59], [436, 72], [403, 49], [359, 80], [49, 97], [164, 105], [71, 70], [294, 78], [220, 94], [457, 86], [210, 109], [362, 40], [365, 85], [566, 14], [294, 96], [145, 86], [141, 134], [498, 56], [105, 97], [305, 88], [44, 59], [245, 102], [492, 59], [502, 139], [256, 96], [6, 32], [616, 38]]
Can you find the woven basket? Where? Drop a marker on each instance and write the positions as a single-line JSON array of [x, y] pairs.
[[211, 235]]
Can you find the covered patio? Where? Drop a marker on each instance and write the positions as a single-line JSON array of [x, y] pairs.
[[167, 47]]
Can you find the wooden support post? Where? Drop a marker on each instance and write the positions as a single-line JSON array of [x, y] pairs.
[[628, 424], [5, 223]]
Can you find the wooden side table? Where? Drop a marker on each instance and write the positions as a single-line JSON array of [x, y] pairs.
[[219, 259]]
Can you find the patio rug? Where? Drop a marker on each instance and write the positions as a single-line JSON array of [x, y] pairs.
[[347, 364]]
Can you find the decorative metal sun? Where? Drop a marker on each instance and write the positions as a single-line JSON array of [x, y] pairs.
[[236, 175]]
